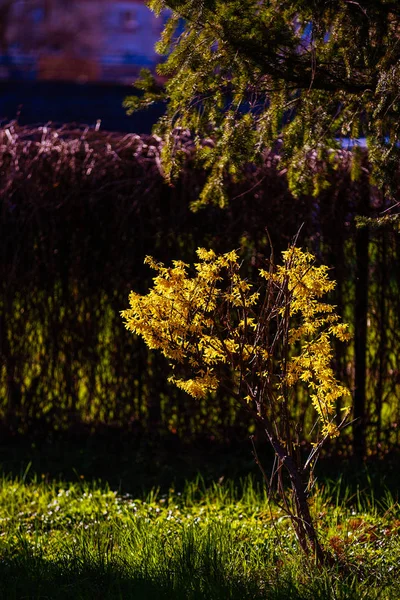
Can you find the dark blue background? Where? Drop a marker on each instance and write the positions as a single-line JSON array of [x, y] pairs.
[[38, 102]]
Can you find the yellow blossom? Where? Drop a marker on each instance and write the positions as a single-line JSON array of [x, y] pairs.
[[213, 319]]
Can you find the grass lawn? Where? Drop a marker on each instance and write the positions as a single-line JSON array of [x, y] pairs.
[[217, 541]]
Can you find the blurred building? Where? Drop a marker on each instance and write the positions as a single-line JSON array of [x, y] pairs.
[[76, 40]]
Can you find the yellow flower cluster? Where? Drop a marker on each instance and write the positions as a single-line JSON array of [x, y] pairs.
[[213, 318], [178, 315], [317, 324]]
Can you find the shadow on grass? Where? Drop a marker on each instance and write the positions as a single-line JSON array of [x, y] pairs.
[[33, 578], [134, 462], [126, 461], [36, 578]]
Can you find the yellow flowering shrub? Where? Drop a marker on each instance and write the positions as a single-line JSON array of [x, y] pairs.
[[256, 339]]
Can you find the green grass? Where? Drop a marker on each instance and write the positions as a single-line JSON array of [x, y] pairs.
[[224, 541]]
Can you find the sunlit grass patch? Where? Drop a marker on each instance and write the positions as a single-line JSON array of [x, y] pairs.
[[83, 540]]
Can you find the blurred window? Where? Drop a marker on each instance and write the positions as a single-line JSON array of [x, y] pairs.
[[37, 14], [128, 20]]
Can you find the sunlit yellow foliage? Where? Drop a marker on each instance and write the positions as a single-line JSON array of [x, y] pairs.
[[318, 324], [216, 325]]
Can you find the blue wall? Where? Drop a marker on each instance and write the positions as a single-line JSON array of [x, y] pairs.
[[40, 102]]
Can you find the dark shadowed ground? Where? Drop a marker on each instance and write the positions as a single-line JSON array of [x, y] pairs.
[[130, 461]]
